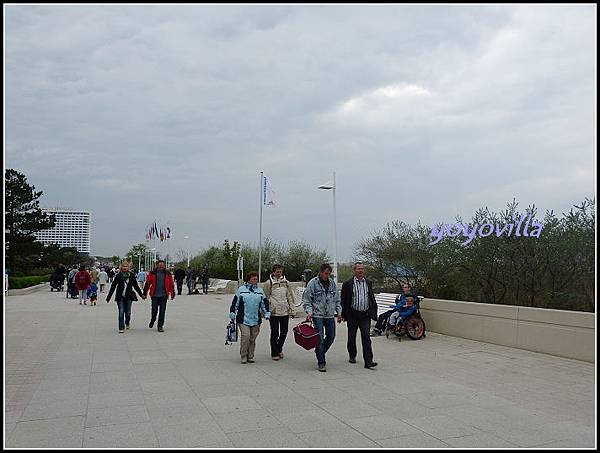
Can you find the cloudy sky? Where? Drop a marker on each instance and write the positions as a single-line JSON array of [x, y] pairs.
[[139, 113]]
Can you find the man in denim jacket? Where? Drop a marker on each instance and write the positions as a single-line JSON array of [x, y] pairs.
[[322, 304]]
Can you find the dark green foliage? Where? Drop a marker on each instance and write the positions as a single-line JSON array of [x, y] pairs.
[[555, 270], [26, 282]]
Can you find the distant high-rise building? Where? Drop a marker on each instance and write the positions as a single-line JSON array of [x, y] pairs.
[[72, 229]]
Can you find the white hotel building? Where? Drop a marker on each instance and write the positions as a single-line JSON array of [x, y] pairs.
[[72, 229]]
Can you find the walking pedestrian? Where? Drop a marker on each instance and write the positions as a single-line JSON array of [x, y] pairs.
[[94, 273], [248, 307], [102, 279], [358, 308], [71, 282], [205, 280], [322, 304], [141, 279], [83, 280], [123, 286], [179, 277], [111, 274], [281, 302], [190, 278], [160, 285]]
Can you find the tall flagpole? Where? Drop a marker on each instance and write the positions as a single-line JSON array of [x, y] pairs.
[[260, 192]]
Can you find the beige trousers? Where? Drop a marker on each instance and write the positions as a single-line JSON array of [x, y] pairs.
[[247, 342]]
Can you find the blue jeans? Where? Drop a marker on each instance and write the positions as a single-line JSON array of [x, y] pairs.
[[124, 312], [326, 326]]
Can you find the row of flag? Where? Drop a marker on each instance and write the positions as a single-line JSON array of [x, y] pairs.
[[154, 231]]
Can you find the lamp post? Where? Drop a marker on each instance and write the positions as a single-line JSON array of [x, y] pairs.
[[139, 261], [187, 249], [154, 258], [335, 261]]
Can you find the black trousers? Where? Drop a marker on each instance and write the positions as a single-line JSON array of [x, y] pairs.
[[359, 320], [179, 286], [382, 318], [159, 303], [279, 330]]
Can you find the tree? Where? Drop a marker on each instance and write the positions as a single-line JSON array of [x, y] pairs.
[[556, 269], [23, 218], [132, 254]]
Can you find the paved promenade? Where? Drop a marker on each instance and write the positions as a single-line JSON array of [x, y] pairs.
[[72, 381]]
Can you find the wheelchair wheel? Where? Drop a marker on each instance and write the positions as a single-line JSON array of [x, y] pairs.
[[415, 328]]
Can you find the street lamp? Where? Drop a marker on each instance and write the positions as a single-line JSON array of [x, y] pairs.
[[335, 261], [188, 249], [139, 261]]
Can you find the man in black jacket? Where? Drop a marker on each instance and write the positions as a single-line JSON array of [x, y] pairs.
[[179, 277], [358, 308]]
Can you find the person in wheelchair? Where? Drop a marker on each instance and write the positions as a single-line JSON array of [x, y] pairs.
[[403, 308]]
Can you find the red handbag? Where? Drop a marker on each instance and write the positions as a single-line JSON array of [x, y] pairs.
[[307, 335]]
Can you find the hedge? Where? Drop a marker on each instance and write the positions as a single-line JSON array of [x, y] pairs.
[[25, 282]]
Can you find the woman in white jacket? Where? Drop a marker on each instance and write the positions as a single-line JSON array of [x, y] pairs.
[[281, 303]]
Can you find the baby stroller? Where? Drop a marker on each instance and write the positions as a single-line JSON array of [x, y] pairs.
[[413, 325], [57, 282]]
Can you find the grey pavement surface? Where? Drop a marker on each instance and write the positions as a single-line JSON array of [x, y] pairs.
[[72, 381]]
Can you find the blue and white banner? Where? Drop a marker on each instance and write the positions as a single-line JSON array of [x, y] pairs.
[[268, 193]]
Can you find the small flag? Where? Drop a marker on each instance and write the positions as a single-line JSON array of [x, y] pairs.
[[168, 231]]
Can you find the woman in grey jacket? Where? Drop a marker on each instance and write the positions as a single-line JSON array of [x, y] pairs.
[[281, 302]]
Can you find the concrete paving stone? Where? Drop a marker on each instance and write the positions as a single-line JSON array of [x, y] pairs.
[[157, 400], [176, 415], [481, 440], [347, 409], [101, 367], [44, 430], [115, 399], [267, 438], [346, 438], [13, 412], [224, 404], [116, 415], [253, 420], [382, 427], [170, 386], [417, 440], [75, 441], [65, 382], [278, 404], [570, 429], [441, 426], [567, 444], [191, 433], [121, 436], [312, 420], [523, 436], [55, 409]]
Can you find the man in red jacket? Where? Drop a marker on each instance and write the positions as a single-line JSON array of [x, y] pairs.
[[161, 286], [83, 280]]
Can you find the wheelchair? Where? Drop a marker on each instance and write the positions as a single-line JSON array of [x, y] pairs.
[[413, 326]]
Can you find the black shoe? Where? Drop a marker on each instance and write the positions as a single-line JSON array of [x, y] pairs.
[[160, 329], [352, 360], [371, 365], [151, 325]]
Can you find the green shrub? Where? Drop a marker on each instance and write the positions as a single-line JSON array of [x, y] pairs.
[[26, 282]]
